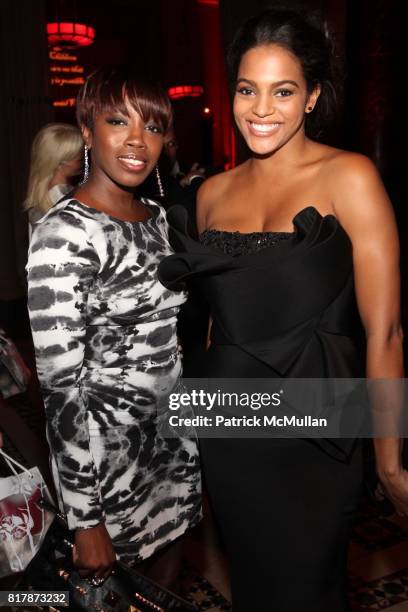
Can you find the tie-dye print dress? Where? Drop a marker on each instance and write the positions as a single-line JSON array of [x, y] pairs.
[[104, 331]]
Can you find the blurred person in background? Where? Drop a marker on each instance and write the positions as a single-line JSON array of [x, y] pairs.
[[55, 166], [171, 161], [177, 185]]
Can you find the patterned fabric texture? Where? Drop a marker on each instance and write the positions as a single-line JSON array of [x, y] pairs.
[[104, 331]]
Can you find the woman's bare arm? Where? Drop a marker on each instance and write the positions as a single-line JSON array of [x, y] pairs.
[[364, 210]]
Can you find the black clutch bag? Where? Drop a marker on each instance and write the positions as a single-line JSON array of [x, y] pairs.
[[126, 590]]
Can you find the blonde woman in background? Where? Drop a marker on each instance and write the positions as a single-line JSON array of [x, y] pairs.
[[56, 159]]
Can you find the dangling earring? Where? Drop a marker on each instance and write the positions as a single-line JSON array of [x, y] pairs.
[[159, 182], [86, 165]]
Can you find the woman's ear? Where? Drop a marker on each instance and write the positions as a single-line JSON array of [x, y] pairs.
[[87, 136], [312, 99]]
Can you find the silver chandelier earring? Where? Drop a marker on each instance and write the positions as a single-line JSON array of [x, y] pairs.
[[86, 165], [159, 182]]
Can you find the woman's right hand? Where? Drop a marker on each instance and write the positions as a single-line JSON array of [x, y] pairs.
[[396, 489], [93, 553]]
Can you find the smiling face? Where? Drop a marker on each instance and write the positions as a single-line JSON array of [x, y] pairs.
[[124, 147], [271, 98]]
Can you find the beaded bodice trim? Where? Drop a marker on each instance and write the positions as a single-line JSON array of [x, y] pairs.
[[237, 243]]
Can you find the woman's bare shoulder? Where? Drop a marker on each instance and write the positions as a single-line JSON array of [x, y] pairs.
[[335, 160], [216, 185], [358, 195], [341, 165], [212, 191]]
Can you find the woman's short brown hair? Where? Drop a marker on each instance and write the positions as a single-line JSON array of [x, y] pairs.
[[107, 89]]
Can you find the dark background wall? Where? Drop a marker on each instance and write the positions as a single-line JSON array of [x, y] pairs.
[[376, 122], [24, 109]]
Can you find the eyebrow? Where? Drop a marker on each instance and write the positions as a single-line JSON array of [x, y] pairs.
[[276, 84]]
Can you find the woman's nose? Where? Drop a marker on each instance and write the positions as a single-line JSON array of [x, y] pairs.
[[135, 137], [263, 106]]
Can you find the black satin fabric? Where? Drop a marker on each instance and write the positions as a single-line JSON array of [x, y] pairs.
[[284, 311], [284, 506]]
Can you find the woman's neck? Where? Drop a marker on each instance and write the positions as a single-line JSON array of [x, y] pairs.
[[282, 161], [112, 199], [108, 194]]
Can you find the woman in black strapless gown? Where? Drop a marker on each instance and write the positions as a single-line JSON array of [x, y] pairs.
[[284, 506], [283, 304]]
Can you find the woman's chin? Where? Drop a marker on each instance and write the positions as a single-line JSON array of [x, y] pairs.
[[263, 150], [130, 182]]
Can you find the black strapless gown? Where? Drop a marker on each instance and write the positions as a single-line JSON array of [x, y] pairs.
[[283, 305]]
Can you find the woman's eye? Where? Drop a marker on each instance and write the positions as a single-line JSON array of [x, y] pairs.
[[245, 91], [284, 93], [116, 121], [156, 129]]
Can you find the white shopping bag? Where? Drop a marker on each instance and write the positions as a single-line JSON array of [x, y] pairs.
[[14, 374], [23, 522]]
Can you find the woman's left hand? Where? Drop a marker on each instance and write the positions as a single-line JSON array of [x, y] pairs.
[[396, 489], [93, 552]]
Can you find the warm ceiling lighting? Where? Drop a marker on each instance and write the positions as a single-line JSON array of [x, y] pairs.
[[70, 35], [206, 110], [185, 91]]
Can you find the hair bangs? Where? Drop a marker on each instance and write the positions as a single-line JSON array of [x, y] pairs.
[[150, 101], [109, 90]]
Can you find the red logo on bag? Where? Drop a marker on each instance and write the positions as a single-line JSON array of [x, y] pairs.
[[18, 516]]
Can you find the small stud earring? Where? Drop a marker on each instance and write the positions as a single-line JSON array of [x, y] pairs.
[[309, 109], [159, 182]]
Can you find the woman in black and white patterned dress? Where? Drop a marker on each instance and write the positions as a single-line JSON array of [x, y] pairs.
[[104, 330]]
